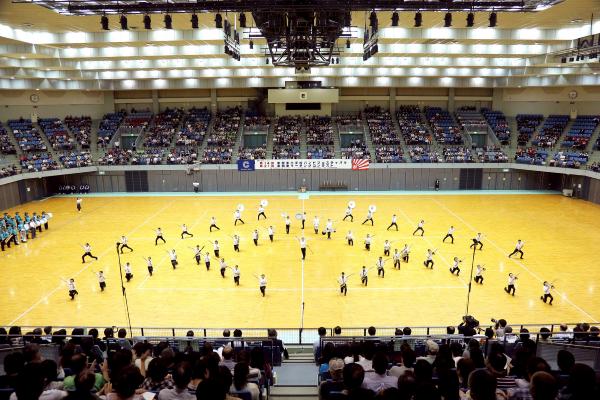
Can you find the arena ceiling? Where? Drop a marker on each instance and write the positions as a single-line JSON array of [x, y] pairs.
[[41, 48]]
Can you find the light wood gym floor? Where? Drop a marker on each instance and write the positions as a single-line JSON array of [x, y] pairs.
[[562, 238]]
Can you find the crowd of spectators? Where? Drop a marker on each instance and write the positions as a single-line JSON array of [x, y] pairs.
[[424, 154], [386, 140], [115, 156], [569, 159], [108, 127], [320, 152], [356, 149], [81, 128], [457, 154], [499, 125], [581, 132], [286, 137], [553, 128], [9, 170], [76, 159], [182, 155], [194, 127], [531, 155], [491, 154], [220, 141], [57, 134], [526, 126], [413, 128], [443, 126], [150, 156], [256, 123], [319, 131], [37, 162], [163, 128], [252, 153], [27, 136], [6, 146], [595, 167], [136, 121], [498, 365]]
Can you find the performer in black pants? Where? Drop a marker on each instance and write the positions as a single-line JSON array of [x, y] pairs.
[[450, 234]]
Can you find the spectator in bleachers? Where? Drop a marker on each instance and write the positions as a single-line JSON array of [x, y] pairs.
[[582, 384], [182, 375], [157, 376], [522, 389], [354, 375], [241, 384], [482, 386], [81, 127], [378, 380], [408, 361], [228, 360]]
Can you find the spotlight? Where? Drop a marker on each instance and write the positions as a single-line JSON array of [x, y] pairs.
[[251, 45], [218, 21], [373, 22], [104, 22], [448, 20], [493, 20], [470, 20], [347, 43], [418, 19], [242, 20], [395, 18], [194, 21], [123, 22], [168, 22], [147, 22]]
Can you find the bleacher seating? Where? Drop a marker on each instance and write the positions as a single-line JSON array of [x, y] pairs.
[[469, 119], [491, 154], [37, 162], [445, 129], [531, 156], [149, 156], [499, 125], [286, 138], [76, 159], [182, 155], [108, 126], [386, 140], [357, 149], [220, 142], [320, 152], [163, 128], [581, 132], [57, 133], [9, 170], [6, 146], [81, 128], [569, 159], [252, 153], [423, 154], [412, 126], [551, 131], [115, 157], [27, 136], [457, 154], [526, 126], [194, 127]]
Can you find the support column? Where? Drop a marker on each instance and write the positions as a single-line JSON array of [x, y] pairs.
[[213, 101], [451, 100], [392, 100], [497, 99], [155, 104]]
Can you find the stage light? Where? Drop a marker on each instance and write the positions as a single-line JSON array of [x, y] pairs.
[[395, 18], [470, 20], [448, 20], [218, 21], [251, 45], [242, 20], [123, 22], [104, 22], [418, 19], [147, 22], [348, 43], [493, 20], [194, 21], [168, 22]]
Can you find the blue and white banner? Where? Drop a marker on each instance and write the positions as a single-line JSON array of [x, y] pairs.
[[245, 165]]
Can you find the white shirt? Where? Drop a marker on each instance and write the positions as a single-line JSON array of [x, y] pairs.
[[101, 278], [237, 214], [387, 245], [184, 228], [302, 243], [368, 240], [429, 255], [213, 221], [270, 230], [405, 250], [456, 263], [79, 201], [127, 269], [511, 280], [87, 248], [450, 231], [479, 271], [316, 222], [546, 289], [396, 255], [329, 226], [223, 264], [173, 255], [261, 209], [369, 214], [393, 219], [197, 251], [236, 272], [71, 285], [350, 236], [343, 279], [421, 224], [348, 211], [288, 221], [158, 232], [363, 273], [255, 235], [216, 246], [519, 245], [478, 237], [262, 281], [123, 240], [380, 263]]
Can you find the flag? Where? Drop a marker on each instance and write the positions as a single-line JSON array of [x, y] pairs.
[[359, 164], [245, 165]]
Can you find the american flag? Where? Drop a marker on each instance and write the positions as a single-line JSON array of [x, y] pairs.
[[359, 164]]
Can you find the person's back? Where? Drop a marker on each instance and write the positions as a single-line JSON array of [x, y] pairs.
[[378, 380], [240, 382], [182, 375]]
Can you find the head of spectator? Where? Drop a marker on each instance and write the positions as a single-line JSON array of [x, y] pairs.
[[157, 371], [50, 370], [565, 361], [48, 330], [407, 385], [489, 333], [464, 367], [380, 363], [594, 333], [31, 352], [118, 360], [432, 347], [227, 352], [496, 363], [109, 333], [189, 334], [477, 356], [76, 335], [337, 330], [13, 363], [126, 382], [122, 333], [322, 331], [336, 368], [543, 386], [443, 359], [450, 330], [448, 385], [482, 385], [240, 375], [537, 364], [371, 331], [237, 333], [354, 376], [226, 333], [408, 357], [582, 383], [544, 333], [524, 334], [406, 331], [423, 371], [398, 332], [30, 382], [272, 333], [84, 384], [182, 375]]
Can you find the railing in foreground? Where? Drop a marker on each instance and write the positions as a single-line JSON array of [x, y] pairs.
[[295, 336]]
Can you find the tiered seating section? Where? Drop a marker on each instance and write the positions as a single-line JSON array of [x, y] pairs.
[[526, 126], [553, 128], [163, 129], [499, 125], [412, 125], [581, 132], [319, 137], [386, 139], [28, 137], [220, 142], [569, 159], [423, 154], [57, 133], [357, 149], [81, 128], [6, 146], [445, 129], [491, 154], [531, 155], [194, 127], [108, 127], [286, 137]]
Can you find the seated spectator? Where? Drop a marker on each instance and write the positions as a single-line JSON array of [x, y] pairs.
[[157, 376], [497, 366], [543, 386], [240, 381], [84, 385], [581, 384], [408, 361], [143, 356], [216, 386], [13, 365], [378, 380], [336, 383], [30, 385], [482, 386], [317, 344], [228, 360], [354, 376], [124, 385], [522, 389], [182, 375], [432, 350], [78, 364]]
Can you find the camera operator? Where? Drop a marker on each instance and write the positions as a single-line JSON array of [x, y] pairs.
[[499, 327]]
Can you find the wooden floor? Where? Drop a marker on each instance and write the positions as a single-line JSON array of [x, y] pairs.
[[562, 239]]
